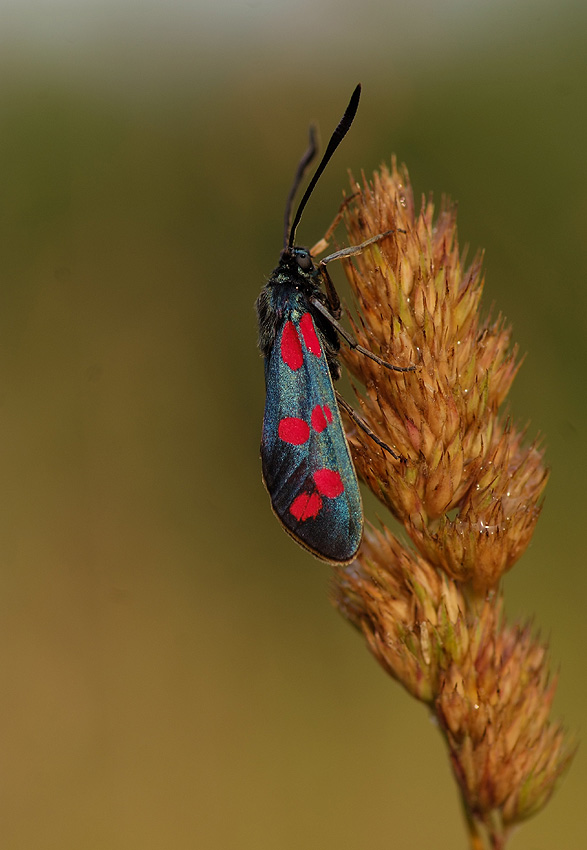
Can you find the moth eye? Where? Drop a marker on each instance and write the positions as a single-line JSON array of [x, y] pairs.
[[304, 261]]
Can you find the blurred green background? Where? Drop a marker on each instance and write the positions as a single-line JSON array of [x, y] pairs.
[[173, 674]]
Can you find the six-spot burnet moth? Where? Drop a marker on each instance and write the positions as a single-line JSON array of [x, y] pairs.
[[307, 466]]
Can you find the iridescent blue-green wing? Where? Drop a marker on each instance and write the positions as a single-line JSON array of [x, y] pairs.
[[307, 467]]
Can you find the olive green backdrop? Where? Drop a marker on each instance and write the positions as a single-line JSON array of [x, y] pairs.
[[173, 675]]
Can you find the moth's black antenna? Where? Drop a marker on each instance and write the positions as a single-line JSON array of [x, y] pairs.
[[335, 140], [307, 158]]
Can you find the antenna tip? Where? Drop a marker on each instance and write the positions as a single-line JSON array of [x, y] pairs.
[[351, 109]]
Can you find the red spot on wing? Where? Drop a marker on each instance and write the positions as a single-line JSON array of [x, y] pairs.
[[306, 506], [328, 413], [293, 430], [291, 347], [310, 336], [328, 482], [319, 421]]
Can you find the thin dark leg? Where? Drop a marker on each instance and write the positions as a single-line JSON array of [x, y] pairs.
[[323, 243], [353, 344], [353, 250], [364, 427], [331, 293]]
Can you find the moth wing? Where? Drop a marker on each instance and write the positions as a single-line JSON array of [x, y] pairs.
[[307, 466]]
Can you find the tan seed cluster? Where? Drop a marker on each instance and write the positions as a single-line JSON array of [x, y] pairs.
[[468, 495]]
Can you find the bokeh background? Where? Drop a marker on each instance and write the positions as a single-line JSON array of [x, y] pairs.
[[173, 675]]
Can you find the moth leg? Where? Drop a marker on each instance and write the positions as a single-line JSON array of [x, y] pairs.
[[363, 425], [323, 243], [353, 344], [353, 250], [334, 307], [331, 293]]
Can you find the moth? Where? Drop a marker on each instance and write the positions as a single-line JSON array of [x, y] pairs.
[[307, 465]]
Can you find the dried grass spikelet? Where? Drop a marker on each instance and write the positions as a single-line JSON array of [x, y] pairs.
[[493, 705], [487, 682], [417, 304], [412, 616], [468, 495]]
